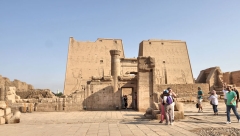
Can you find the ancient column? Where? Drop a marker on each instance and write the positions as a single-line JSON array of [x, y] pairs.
[[115, 68]]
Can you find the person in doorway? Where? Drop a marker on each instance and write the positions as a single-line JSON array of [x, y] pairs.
[[231, 104], [200, 99], [214, 101], [237, 93], [126, 101]]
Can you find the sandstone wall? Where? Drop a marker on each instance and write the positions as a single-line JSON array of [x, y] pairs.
[[87, 59], [171, 58], [128, 65], [185, 92], [235, 78], [226, 77], [37, 93], [20, 86]]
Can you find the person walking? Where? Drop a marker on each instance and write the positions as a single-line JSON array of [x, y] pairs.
[[214, 101], [225, 91], [231, 104], [237, 93], [200, 99]]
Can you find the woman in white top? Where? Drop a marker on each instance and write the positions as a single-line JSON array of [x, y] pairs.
[[214, 101]]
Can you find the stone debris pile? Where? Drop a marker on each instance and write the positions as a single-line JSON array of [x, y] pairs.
[[6, 115]]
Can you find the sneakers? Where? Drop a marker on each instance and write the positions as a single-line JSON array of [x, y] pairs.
[[228, 122], [198, 111], [171, 124], [166, 123], [161, 122]]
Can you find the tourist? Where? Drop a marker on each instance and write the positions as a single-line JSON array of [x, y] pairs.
[[162, 108], [231, 104], [214, 101], [167, 101], [173, 95], [237, 93], [126, 101], [200, 98], [225, 91]]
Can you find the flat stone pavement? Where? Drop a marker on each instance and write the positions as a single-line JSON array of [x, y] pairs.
[[114, 123]]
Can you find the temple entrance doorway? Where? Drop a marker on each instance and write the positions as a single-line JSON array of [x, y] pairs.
[[127, 98]]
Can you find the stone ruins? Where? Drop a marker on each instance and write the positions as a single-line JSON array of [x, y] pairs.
[[217, 79], [98, 75]]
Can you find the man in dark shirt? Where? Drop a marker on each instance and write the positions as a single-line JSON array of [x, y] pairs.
[[236, 91]]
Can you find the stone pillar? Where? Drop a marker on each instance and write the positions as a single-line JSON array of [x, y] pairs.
[[115, 68], [145, 84]]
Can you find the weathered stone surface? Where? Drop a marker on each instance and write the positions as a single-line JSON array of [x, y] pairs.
[[15, 118], [8, 117], [3, 104], [172, 65], [1, 112], [178, 115], [2, 120], [178, 106], [7, 111]]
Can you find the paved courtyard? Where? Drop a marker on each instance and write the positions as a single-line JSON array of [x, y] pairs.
[[114, 123]]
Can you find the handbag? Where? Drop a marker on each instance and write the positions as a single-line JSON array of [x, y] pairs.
[[197, 106]]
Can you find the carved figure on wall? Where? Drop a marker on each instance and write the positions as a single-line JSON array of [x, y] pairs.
[[183, 76], [77, 75], [158, 77]]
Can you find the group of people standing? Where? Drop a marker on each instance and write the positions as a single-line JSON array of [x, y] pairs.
[[167, 104], [231, 98]]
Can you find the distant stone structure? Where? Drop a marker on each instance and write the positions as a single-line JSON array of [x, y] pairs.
[[217, 79], [98, 74]]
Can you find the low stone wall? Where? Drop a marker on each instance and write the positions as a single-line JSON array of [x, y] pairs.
[[36, 93], [185, 92], [47, 105]]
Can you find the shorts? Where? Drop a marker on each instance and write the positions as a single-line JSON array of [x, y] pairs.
[[199, 101]]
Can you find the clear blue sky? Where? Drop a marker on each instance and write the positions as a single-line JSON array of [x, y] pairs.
[[34, 34]]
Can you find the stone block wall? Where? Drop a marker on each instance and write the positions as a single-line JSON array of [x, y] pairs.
[[235, 78], [185, 92], [20, 86], [36, 93], [226, 77]]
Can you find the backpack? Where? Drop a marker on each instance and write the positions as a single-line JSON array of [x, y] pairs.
[[169, 100]]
